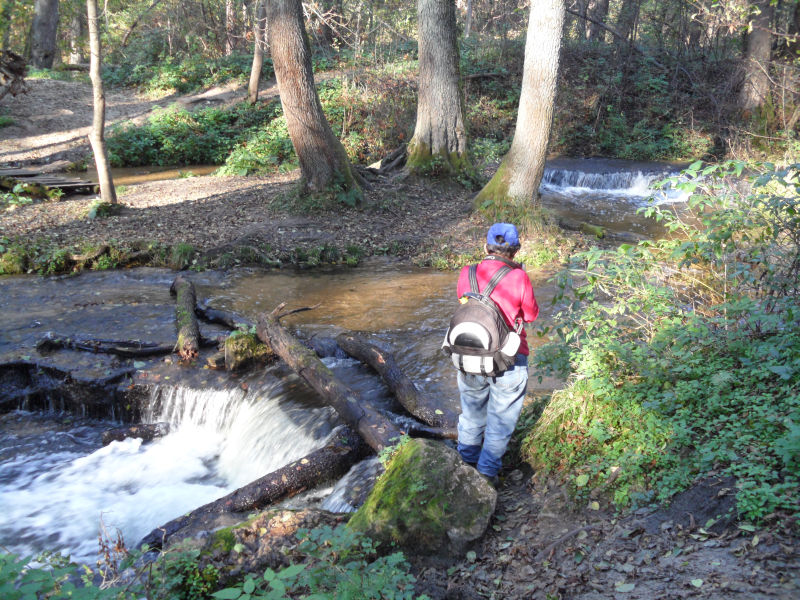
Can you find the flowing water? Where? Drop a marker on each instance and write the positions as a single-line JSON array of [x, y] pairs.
[[57, 481]]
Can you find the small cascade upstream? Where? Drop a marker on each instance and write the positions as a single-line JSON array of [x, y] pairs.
[[56, 487], [592, 178]]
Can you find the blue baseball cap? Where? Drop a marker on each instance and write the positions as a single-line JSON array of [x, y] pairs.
[[502, 234]]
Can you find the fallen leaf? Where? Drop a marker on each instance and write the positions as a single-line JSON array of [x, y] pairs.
[[624, 587], [696, 582]]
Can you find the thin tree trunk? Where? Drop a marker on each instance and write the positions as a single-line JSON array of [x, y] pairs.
[[628, 15], [43, 33], [259, 34], [323, 160], [440, 133], [96, 137], [230, 24], [755, 87], [599, 12], [5, 23], [468, 20], [520, 173]]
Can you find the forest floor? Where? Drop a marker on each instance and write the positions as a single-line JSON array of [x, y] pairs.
[[50, 127], [541, 543]]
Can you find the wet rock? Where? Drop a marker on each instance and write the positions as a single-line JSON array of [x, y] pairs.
[[145, 431], [427, 502]]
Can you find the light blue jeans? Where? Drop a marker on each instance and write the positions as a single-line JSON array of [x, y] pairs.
[[490, 407]]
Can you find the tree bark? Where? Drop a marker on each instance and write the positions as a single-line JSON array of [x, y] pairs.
[[468, 20], [96, 138], [77, 29], [321, 465], [628, 16], [188, 344], [598, 10], [43, 33], [440, 133], [323, 160], [230, 26], [398, 382], [520, 173], [755, 86], [259, 35], [373, 427]]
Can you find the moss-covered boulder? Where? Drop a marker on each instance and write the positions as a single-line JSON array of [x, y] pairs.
[[244, 350], [427, 502]]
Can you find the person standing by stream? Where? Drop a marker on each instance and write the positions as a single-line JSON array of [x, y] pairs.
[[491, 404]]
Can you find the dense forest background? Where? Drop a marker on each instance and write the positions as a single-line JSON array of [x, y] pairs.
[[638, 79]]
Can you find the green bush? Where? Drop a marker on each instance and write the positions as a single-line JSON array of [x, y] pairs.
[[175, 136], [161, 75], [337, 564], [685, 352]]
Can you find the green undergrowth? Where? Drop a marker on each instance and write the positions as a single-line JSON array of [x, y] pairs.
[[175, 136], [326, 563], [162, 75], [684, 354]]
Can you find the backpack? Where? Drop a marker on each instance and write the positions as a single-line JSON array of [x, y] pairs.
[[478, 340]]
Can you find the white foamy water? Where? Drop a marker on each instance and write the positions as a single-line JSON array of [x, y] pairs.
[[220, 440], [634, 185]]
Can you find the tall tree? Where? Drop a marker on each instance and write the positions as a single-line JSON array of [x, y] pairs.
[[96, 137], [323, 160], [598, 11], [43, 33], [755, 86], [230, 25], [260, 37], [520, 173], [440, 133]]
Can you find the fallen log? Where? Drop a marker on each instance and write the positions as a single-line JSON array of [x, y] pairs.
[[146, 431], [376, 430], [126, 348], [321, 465], [188, 344], [222, 317], [398, 382]]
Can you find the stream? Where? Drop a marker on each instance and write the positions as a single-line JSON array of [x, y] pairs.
[[59, 484]]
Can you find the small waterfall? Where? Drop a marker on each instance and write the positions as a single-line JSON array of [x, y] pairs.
[[633, 184], [352, 490], [219, 440]]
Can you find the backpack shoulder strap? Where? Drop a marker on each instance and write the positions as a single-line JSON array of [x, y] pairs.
[[473, 279], [498, 275]]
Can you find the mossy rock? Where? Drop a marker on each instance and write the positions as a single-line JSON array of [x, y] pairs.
[[243, 350], [427, 502]]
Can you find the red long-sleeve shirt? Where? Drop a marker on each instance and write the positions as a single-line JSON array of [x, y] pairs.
[[513, 295]]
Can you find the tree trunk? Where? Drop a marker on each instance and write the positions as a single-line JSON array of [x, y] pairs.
[[374, 428], [468, 20], [43, 33], [755, 86], [5, 23], [440, 135], [96, 137], [398, 382], [321, 465], [188, 344], [77, 29], [323, 160], [259, 35], [598, 12], [520, 173], [230, 25], [626, 21]]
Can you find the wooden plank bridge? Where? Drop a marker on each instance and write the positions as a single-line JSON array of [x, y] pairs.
[[38, 184]]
